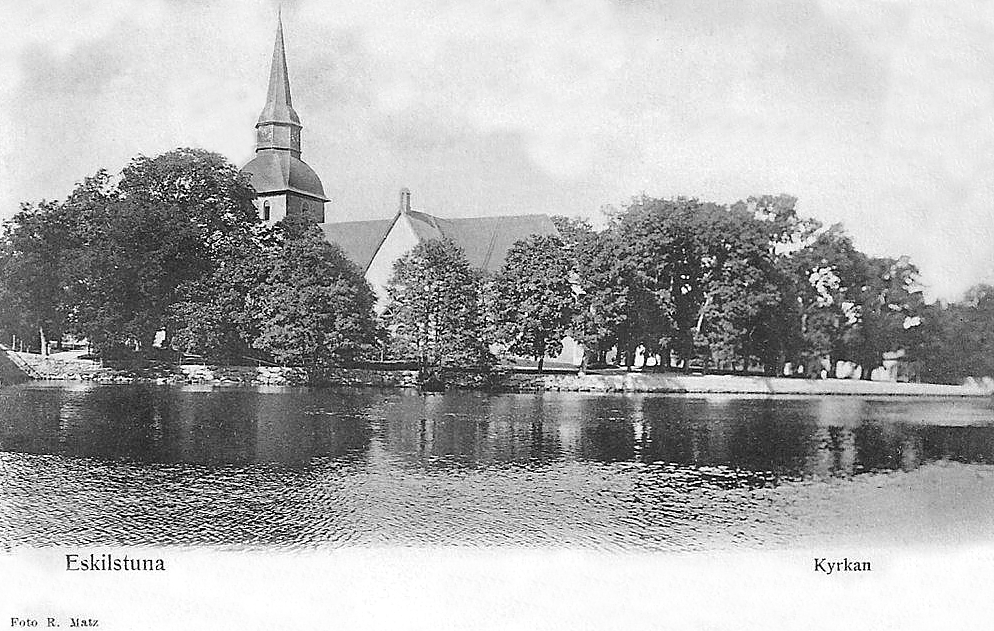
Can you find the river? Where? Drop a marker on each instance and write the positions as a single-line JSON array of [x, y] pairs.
[[134, 465]]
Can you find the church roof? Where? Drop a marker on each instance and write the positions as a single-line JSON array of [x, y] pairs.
[[359, 240], [275, 171], [485, 240], [279, 106]]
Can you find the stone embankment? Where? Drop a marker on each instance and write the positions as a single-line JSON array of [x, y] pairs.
[[735, 384], [34, 366], [13, 369], [162, 373], [287, 376], [62, 369]]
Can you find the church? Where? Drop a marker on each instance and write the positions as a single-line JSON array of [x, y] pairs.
[[286, 185]]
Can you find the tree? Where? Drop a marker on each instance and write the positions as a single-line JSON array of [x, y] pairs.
[[957, 338], [785, 230], [126, 280], [33, 253], [433, 309], [705, 275], [601, 279], [821, 284], [776, 335], [609, 295], [891, 305], [312, 307], [533, 298], [210, 193], [212, 317], [40, 257], [109, 262], [162, 228], [571, 229], [740, 289], [659, 245]]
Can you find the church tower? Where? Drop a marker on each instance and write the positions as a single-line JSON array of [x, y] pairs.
[[284, 183]]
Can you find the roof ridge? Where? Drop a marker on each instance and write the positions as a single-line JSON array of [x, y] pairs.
[[379, 245], [358, 221], [434, 219]]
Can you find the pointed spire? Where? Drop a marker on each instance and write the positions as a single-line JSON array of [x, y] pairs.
[[279, 106], [278, 126]]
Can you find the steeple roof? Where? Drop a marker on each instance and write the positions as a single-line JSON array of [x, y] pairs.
[[273, 171], [277, 168], [279, 106]]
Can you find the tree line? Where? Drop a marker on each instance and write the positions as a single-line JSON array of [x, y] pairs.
[[169, 257], [172, 248]]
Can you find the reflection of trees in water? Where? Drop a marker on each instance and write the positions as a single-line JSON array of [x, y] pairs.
[[799, 437], [886, 447], [29, 419], [785, 437], [135, 422], [286, 428], [223, 426], [416, 427], [963, 444], [294, 428], [213, 427], [766, 440], [675, 432], [607, 432], [832, 451], [746, 433], [469, 429]]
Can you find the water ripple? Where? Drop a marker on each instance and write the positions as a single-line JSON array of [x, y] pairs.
[[133, 466]]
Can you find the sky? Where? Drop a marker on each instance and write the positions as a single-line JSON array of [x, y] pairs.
[[876, 114]]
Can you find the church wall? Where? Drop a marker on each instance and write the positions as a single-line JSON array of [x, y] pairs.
[[399, 241], [277, 207], [314, 209], [280, 205]]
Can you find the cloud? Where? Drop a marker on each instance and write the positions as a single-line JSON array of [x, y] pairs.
[[877, 114]]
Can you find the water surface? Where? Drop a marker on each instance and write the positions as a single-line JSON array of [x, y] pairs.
[[149, 465]]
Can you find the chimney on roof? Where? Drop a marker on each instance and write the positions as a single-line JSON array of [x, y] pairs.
[[405, 200]]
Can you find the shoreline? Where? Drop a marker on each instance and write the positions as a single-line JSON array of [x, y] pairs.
[[746, 384], [498, 381]]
